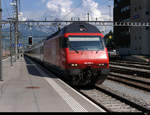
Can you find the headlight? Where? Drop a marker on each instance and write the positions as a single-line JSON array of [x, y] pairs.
[[74, 65], [103, 64]]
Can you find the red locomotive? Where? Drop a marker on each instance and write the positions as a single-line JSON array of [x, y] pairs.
[[77, 51]]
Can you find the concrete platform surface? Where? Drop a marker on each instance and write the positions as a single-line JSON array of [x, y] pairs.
[[27, 88]]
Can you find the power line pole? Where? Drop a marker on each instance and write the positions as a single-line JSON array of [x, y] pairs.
[[15, 5], [88, 16], [11, 63], [16, 26], [109, 6], [1, 79]]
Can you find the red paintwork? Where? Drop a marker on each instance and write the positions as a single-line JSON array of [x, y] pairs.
[[84, 34], [60, 57], [87, 58]]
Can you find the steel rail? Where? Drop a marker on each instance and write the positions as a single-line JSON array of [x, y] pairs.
[[142, 85]]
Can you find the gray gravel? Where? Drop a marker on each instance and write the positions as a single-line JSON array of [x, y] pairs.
[[109, 102], [142, 96]]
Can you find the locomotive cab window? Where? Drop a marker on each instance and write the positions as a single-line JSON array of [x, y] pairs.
[[86, 43]]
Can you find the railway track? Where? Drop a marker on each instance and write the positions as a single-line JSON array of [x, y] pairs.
[[130, 70], [142, 71], [130, 62], [135, 75], [136, 82], [112, 101], [135, 65]]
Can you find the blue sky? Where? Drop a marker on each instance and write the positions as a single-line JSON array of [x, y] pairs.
[[62, 9]]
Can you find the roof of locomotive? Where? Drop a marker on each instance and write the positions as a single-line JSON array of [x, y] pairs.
[[76, 27], [80, 27]]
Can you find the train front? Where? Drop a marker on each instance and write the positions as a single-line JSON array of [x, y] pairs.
[[87, 58]]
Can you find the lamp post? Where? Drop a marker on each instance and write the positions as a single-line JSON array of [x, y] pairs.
[[109, 6], [11, 61], [1, 79]]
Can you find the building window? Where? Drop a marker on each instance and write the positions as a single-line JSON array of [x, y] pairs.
[[147, 28], [135, 9], [116, 5], [140, 7], [118, 0], [147, 12], [124, 9]]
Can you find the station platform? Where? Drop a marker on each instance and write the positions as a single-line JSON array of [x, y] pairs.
[[27, 87]]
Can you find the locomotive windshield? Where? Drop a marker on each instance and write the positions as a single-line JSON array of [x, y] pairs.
[[86, 43]]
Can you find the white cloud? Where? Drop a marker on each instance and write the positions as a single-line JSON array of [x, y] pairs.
[[59, 8], [22, 17], [92, 8], [43, 1], [65, 9]]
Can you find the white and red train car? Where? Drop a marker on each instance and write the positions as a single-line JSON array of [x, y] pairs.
[[77, 51]]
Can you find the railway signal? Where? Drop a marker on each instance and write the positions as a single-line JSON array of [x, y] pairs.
[[30, 40], [110, 37]]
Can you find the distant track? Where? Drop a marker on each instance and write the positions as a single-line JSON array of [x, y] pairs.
[[135, 75], [138, 72], [140, 83], [135, 65], [130, 62]]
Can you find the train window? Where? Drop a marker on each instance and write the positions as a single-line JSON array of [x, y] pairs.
[[86, 43], [60, 42], [82, 28], [64, 42]]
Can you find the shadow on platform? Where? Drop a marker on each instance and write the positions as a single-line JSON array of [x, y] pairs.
[[33, 71]]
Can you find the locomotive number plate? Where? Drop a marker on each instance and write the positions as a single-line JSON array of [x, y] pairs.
[[88, 63]]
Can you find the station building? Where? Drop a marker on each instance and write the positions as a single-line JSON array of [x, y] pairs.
[[134, 40]]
